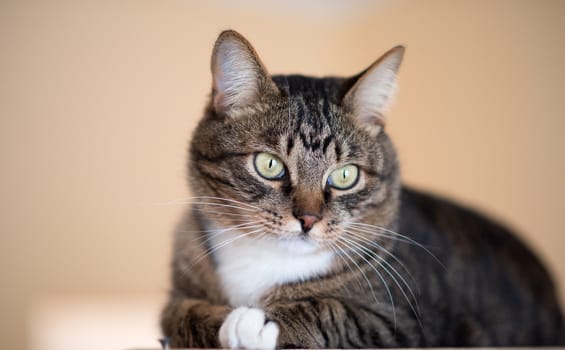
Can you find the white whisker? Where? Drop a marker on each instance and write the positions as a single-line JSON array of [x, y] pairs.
[[371, 254], [188, 200], [335, 251], [215, 232], [385, 232], [361, 236], [359, 268], [204, 210], [221, 205], [349, 242]]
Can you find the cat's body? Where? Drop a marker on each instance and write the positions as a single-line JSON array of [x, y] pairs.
[[302, 236]]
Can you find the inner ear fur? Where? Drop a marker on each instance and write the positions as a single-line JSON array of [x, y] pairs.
[[239, 78], [371, 96]]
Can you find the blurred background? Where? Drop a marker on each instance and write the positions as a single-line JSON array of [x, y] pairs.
[[98, 100]]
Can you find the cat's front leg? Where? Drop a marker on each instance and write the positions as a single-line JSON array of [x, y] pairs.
[[193, 323], [317, 322], [247, 328]]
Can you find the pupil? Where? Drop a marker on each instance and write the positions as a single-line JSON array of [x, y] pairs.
[[345, 173], [271, 163]]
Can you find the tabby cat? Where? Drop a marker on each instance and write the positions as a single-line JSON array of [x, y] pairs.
[[301, 235]]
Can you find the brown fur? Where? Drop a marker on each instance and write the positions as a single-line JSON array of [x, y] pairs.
[[452, 285]]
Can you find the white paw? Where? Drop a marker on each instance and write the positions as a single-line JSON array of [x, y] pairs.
[[245, 328]]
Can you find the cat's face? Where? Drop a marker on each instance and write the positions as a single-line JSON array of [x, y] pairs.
[[294, 159]]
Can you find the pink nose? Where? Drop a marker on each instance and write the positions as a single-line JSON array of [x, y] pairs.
[[307, 221]]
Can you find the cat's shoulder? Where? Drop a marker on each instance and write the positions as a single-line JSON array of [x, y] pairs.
[[432, 217], [424, 208], [468, 235]]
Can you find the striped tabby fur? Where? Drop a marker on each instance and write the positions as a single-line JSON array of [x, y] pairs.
[[377, 265]]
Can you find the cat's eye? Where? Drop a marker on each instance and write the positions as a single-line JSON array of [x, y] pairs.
[[269, 166], [344, 178]]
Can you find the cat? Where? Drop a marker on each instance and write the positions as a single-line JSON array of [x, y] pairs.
[[301, 235]]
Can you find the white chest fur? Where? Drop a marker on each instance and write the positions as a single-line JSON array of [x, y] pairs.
[[248, 267]]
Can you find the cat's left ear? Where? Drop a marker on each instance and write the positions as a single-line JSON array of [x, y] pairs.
[[239, 77], [371, 95]]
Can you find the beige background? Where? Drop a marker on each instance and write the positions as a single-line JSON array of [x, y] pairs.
[[98, 100]]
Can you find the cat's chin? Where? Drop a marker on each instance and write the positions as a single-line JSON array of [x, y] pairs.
[[299, 245]]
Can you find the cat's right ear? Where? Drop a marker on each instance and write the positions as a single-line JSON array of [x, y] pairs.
[[372, 94], [239, 77]]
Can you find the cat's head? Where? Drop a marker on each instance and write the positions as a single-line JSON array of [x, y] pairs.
[[294, 158]]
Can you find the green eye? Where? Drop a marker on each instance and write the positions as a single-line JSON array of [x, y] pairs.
[[344, 178], [269, 166]]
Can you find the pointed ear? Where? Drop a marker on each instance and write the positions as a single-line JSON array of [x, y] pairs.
[[372, 94], [239, 77]]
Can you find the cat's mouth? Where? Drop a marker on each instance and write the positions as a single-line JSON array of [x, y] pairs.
[[301, 244]]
